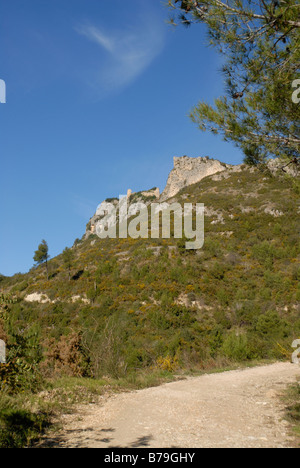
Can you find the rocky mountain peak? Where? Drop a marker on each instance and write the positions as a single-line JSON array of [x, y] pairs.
[[188, 171]]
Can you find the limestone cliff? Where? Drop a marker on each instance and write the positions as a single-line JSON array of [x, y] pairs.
[[146, 197], [188, 171]]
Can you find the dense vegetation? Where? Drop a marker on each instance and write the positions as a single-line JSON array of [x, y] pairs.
[[120, 309]]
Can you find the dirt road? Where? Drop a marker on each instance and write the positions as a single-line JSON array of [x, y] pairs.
[[236, 409]]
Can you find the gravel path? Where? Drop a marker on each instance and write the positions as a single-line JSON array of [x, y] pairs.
[[236, 409]]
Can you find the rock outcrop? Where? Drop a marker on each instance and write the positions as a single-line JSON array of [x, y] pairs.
[[146, 197], [277, 165], [188, 171]]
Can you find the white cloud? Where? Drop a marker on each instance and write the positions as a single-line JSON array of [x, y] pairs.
[[128, 52], [96, 35]]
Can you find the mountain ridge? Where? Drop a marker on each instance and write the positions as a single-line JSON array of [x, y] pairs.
[[186, 172]]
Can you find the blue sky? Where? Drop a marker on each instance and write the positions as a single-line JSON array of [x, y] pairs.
[[98, 96]]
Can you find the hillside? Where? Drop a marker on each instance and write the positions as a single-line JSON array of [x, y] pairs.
[[137, 304]]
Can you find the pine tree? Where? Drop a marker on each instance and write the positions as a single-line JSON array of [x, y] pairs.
[[41, 255], [261, 44], [68, 257]]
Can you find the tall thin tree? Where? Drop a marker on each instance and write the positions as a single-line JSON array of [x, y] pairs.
[[41, 255], [68, 257]]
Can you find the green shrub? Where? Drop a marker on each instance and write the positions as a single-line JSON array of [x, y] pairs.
[[236, 347], [271, 326], [22, 369]]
